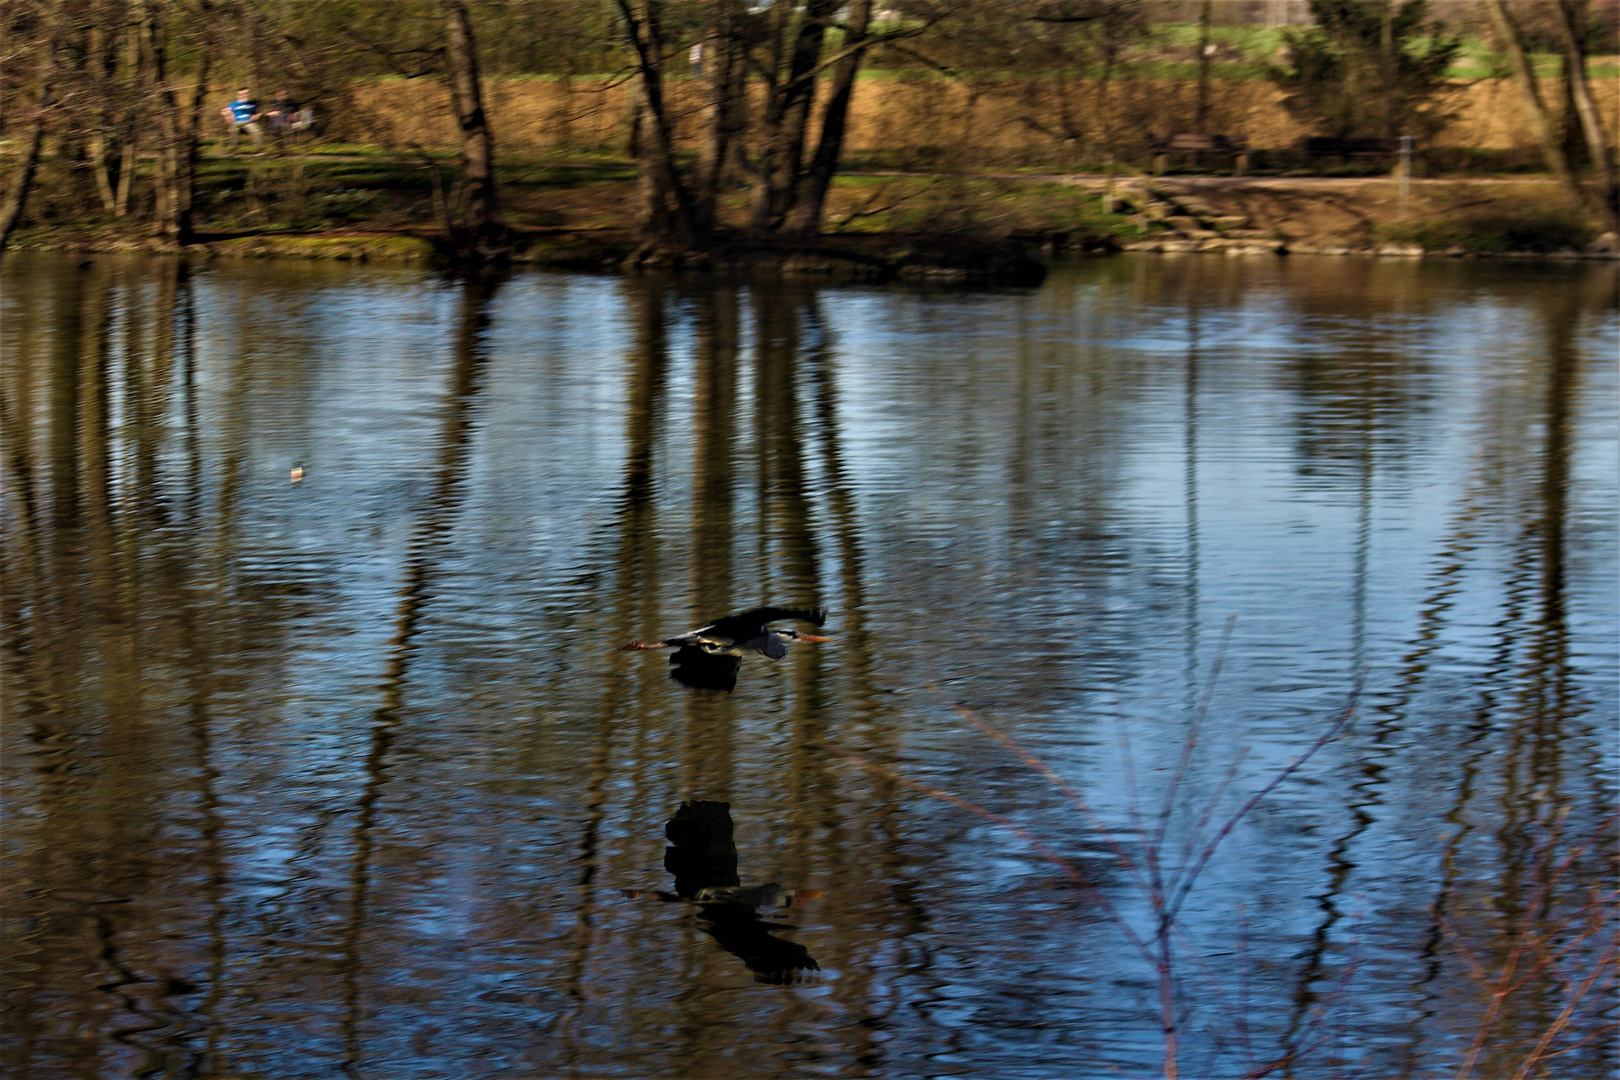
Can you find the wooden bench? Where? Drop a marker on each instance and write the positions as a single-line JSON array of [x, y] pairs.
[[1322, 146], [1235, 145], [1399, 148]]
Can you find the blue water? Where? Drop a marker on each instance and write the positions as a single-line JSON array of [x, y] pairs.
[[344, 776]]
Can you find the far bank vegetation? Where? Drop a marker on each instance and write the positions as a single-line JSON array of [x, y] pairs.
[[730, 121]]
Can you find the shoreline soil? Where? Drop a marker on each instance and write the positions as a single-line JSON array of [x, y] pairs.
[[984, 229]]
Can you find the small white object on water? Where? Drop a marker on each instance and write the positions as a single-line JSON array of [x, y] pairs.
[[297, 473]]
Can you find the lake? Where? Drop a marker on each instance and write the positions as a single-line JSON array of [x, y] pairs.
[[1222, 684]]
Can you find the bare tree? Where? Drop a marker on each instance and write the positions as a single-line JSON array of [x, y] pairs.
[[112, 59], [45, 79], [724, 53], [666, 222], [481, 233], [795, 41], [806, 217], [1201, 114], [1552, 149], [179, 120], [1083, 100], [1572, 26], [794, 55]]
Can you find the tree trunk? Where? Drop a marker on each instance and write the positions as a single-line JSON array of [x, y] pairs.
[[727, 118], [481, 228], [191, 139], [102, 65], [1201, 117], [658, 223], [787, 118], [17, 200], [1570, 136], [179, 126], [132, 127], [1386, 69], [170, 221], [126, 177], [806, 220], [1551, 150], [1597, 142], [666, 221]]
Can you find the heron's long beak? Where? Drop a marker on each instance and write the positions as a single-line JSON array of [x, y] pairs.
[[813, 637], [642, 645]]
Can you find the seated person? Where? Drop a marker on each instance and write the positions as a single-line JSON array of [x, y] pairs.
[[282, 113]]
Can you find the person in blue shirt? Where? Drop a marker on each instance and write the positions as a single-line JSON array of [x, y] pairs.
[[243, 115]]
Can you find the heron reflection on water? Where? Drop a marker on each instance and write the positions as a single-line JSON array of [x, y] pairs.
[[702, 857], [708, 658]]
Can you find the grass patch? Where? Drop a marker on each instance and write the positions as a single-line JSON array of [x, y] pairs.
[[392, 249], [1258, 42], [970, 207], [1494, 231], [291, 192]]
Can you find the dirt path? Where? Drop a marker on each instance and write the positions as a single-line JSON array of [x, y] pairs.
[[1335, 215]]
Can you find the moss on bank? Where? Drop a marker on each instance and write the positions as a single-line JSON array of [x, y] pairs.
[[870, 258], [401, 249]]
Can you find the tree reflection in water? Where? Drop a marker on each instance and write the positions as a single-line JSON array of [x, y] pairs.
[[346, 773]]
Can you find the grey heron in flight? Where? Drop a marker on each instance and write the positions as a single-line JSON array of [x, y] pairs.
[[708, 658]]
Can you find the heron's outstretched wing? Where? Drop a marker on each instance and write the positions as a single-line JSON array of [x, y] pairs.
[[748, 625]]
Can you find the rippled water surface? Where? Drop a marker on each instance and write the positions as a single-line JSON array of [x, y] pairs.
[[344, 776]]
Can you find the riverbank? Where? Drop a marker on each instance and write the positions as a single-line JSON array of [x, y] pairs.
[[880, 226], [1455, 218], [943, 259]]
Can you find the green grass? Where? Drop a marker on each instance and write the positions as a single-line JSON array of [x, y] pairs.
[[396, 249], [1255, 42], [873, 204], [1495, 232], [344, 191], [1259, 44]]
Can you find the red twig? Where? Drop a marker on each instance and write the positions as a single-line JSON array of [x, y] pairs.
[[1166, 900], [1528, 944], [1035, 763], [1185, 884]]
